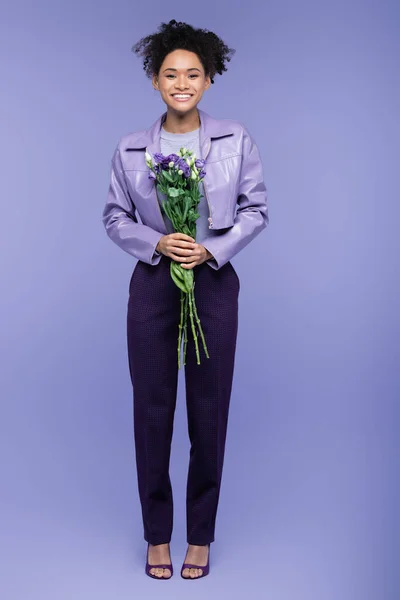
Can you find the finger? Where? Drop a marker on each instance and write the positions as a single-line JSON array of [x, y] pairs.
[[183, 244], [183, 236], [182, 251], [189, 265], [175, 257], [186, 259]]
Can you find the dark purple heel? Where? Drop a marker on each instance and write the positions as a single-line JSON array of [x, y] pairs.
[[205, 569], [148, 567]]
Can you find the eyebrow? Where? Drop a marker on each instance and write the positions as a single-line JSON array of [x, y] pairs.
[[191, 69]]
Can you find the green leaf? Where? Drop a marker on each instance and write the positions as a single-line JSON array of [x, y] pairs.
[[187, 206], [178, 211], [168, 176], [167, 209], [173, 192], [193, 216]]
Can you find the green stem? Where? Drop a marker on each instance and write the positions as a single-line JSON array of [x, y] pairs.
[[180, 330], [200, 328], [193, 326], [185, 329]]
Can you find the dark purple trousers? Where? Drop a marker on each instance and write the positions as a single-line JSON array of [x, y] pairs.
[[152, 335]]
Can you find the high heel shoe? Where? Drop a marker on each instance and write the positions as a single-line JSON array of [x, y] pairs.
[[149, 567], [205, 569]]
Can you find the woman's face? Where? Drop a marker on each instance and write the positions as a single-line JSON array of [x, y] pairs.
[[181, 81]]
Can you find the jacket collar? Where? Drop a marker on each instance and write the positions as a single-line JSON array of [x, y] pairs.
[[209, 128]]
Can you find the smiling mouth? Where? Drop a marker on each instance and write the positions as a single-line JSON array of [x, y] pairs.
[[181, 97]]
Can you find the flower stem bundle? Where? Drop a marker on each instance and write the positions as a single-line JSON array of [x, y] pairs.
[[177, 178]]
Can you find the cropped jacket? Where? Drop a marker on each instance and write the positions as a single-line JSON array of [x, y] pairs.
[[233, 185]]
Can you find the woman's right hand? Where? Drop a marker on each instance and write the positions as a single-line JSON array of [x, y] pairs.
[[177, 246]]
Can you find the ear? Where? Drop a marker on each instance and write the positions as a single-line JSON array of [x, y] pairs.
[[207, 82], [155, 81]]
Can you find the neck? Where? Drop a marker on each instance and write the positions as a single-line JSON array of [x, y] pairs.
[[178, 123]]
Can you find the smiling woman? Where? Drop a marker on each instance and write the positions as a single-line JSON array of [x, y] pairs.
[[181, 62]]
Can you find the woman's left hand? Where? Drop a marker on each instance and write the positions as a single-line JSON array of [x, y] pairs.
[[199, 255]]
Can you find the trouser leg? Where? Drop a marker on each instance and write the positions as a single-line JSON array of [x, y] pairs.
[[152, 330], [208, 391]]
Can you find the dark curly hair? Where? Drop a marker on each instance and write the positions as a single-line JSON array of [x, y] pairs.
[[213, 53]]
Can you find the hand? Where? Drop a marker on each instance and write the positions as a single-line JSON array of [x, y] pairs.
[[177, 246], [199, 255], [183, 249]]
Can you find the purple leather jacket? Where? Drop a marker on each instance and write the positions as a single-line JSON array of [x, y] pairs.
[[234, 188]]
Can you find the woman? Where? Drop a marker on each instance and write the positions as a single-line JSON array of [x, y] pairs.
[[182, 62]]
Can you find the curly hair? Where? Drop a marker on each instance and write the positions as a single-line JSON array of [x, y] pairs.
[[213, 53]]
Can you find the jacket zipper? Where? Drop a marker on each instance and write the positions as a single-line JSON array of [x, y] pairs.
[[205, 190]]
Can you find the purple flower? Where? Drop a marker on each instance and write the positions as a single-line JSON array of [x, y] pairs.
[[152, 175], [202, 172], [163, 161], [158, 157], [199, 162], [173, 158], [182, 164]]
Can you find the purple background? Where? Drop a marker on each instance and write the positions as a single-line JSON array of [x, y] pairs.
[[309, 494]]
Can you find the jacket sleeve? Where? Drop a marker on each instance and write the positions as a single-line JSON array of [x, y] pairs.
[[252, 212], [120, 220]]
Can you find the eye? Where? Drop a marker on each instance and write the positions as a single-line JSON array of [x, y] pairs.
[[195, 75]]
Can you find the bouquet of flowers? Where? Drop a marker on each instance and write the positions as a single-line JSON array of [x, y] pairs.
[[177, 178]]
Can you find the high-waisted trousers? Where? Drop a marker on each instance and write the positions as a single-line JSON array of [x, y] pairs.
[[152, 335]]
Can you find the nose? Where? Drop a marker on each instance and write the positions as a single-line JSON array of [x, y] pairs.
[[181, 84]]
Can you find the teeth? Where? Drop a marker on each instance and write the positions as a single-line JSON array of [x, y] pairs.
[[181, 95]]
